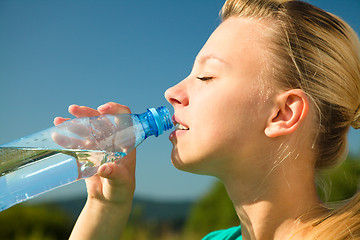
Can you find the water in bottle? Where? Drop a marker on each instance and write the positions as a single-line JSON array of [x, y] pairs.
[[71, 151]]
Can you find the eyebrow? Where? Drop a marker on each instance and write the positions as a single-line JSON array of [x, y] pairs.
[[203, 59]]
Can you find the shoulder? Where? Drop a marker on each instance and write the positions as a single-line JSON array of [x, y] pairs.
[[233, 233]]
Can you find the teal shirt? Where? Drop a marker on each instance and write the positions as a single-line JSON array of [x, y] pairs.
[[233, 233]]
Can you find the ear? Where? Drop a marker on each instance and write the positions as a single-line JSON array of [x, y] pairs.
[[291, 108]]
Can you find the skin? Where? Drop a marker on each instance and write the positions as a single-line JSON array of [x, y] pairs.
[[239, 128], [235, 130], [110, 192]]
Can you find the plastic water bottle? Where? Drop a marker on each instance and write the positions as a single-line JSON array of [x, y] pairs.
[[71, 151]]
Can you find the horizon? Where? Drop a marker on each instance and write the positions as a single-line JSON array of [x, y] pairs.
[[55, 54]]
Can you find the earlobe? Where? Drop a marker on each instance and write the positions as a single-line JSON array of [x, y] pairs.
[[289, 112]]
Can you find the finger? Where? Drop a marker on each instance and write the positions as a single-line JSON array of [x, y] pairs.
[[73, 143], [119, 179], [59, 120], [76, 126], [85, 133], [113, 108], [126, 163], [129, 161], [105, 171], [116, 176], [82, 111], [82, 127]]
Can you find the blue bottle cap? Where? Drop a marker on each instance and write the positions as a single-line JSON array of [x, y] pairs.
[[158, 121]]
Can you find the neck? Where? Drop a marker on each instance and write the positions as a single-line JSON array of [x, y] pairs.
[[276, 206]]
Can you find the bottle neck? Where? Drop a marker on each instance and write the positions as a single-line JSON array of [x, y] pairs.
[[155, 121]]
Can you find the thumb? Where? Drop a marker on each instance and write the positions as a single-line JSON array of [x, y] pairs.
[[105, 171], [119, 170], [118, 182]]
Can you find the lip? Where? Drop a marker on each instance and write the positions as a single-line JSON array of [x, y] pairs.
[[177, 132], [173, 118], [176, 120]]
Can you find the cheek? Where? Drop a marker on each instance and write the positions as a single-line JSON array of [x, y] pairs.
[[192, 151], [228, 124], [215, 134], [221, 127]]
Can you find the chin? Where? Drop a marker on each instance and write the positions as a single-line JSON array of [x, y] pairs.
[[176, 160], [188, 165]]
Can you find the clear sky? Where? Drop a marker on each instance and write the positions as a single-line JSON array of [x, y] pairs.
[[89, 52]]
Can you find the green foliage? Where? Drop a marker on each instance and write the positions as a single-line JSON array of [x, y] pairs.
[[339, 183], [212, 212], [40, 222], [151, 220], [215, 210]]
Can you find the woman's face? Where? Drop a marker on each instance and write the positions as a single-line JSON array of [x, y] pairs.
[[221, 106]]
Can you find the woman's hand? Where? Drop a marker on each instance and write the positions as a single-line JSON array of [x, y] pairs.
[[110, 192]]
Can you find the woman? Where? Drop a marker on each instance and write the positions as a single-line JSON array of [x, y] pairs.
[[269, 101]]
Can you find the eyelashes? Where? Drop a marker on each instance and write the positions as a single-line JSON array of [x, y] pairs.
[[205, 78]]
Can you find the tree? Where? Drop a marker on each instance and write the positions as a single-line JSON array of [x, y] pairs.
[[35, 222], [340, 183], [213, 211]]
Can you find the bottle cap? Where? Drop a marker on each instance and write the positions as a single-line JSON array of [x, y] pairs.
[[158, 121]]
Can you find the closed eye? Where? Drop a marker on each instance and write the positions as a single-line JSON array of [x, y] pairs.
[[205, 78]]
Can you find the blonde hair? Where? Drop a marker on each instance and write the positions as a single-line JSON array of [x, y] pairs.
[[319, 53]]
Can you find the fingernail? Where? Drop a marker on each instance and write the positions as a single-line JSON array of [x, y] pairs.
[[72, 106], [61, 119], [105, 169], [104, 107]]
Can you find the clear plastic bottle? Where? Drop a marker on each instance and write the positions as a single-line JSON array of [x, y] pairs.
[[71, 151]]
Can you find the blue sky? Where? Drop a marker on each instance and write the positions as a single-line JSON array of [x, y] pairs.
[[89, 52]]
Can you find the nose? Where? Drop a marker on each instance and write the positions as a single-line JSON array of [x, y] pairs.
[[177, 95]]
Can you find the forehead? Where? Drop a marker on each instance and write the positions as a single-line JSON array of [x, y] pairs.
[[237, 39]]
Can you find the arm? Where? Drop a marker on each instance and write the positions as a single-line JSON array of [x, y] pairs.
[[110, 192], [108, 205]]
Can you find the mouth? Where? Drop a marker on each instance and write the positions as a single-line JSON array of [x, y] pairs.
[[180, 129], [178, 125]]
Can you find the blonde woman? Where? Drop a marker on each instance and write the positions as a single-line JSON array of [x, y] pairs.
[[269, 101]]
